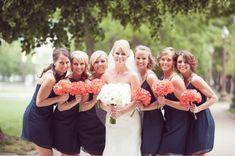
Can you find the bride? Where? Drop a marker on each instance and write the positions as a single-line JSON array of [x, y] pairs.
[[124, 137]]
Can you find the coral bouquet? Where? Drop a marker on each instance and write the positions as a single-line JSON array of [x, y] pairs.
[[162, 88], [189, 96], [62, 87]]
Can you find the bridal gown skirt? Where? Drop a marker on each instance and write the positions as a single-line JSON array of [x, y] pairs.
[[124, 137]]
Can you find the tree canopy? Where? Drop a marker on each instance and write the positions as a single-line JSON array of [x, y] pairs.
[[63, 21]]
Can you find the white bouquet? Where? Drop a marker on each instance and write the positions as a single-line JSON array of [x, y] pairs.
[[115, 95]]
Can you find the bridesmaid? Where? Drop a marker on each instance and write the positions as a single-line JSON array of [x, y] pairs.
[[176, 116], [66, 116], [37, 121], [200, 138], [153, 121], [92, 130]]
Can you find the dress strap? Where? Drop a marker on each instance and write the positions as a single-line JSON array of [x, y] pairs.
[[190, 79], [172, 76]]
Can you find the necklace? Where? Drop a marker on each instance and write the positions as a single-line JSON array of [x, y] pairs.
[[169, 77], [188, 80], [143, 76]]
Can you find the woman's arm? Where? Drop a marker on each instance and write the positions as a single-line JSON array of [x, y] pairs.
[[68, 105], [134, 81], [106, 108], [135, 84], [201, 85], [152, 106], [151, 79], [86, 105], [45, 90], [179, 87]]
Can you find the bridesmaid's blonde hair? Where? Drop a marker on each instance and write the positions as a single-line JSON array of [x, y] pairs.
[[168, 51], [95, 56], [82, 56]]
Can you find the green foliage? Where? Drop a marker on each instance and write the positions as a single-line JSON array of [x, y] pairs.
[[35, 21], [232, 111], [10, 59], [156, 24], [62, 21], [25, 20], [231, 50], [182, 33], [224, 9], [194, 33], [153, 12]]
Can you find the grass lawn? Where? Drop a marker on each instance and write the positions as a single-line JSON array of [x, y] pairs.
[[11, 116], [232, 110]]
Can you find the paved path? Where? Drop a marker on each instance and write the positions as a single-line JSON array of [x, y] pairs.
[[224, 132]]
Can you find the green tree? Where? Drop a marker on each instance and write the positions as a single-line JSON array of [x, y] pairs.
[[13, 62], [10, 59], [62, 21]]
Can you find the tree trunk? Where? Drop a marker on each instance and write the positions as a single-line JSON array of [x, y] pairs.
[[90, 44], [228, 85], [233, 99], [2, 136]]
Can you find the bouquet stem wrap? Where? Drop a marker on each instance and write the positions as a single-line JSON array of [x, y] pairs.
[[112, 120]]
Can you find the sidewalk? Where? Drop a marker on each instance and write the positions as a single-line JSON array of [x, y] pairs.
[[224, 130]]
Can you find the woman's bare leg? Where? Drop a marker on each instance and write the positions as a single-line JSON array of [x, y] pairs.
[[44, 151]]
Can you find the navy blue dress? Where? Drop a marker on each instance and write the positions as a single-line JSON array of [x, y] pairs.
[[175, 131], [37, 122], [91, 131], [152, 128], [66, 136], [201, 132]]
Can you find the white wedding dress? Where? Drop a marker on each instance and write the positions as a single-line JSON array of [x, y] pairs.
[[124, 137]]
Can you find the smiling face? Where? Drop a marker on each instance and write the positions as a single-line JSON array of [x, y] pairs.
[[120, 56], [182, 65], [166, 62], [141, 59], [78, 66], [186, 62], [100, 64], [62, 64]]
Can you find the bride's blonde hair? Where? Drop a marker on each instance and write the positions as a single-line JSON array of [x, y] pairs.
[[123, 44], [125, 47]]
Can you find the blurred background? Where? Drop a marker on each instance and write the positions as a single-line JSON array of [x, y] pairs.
[[30, 30]]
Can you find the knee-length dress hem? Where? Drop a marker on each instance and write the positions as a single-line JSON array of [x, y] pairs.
[[37, 122], [91, 131], [201, 131], [66, 139], [152, 127], [175, 130]]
